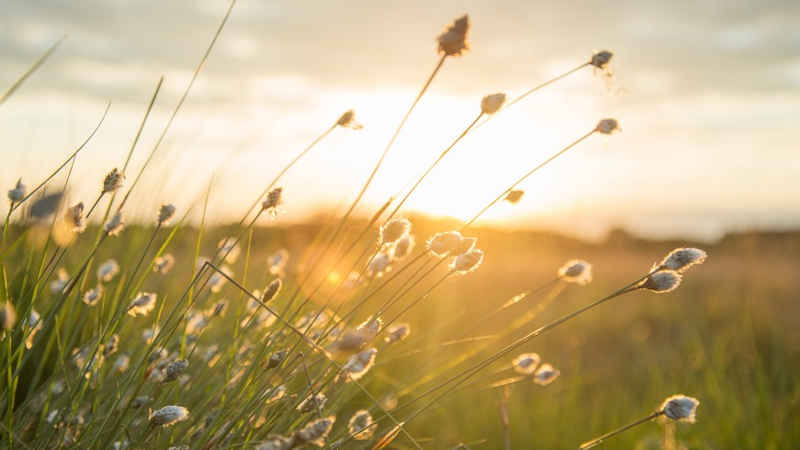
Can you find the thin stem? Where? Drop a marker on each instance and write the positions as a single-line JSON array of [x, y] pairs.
[[94, 205], [30, 71], [599, 440], [524, 177]]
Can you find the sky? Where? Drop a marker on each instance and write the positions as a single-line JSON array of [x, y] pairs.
[[707, 94]]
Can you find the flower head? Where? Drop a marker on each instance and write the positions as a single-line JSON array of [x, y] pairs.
[[379, 264], [492, 103], [92, 296], [229, 249], [661, 281], [361, 426], [576, 271], [273, 200], [453, 41], [142, 304], [74, 217], [276, 442], [441, 244], [312, 402], [601, 59], [394, 229], [545, 375], [526, 363], [514, 197], [163, 264], [8, 315], [165, 213], [272, 290], [359, 364], [681, 259], [107, 271], [18, 193], [277, 261], [467, 262], [403, 247], [607, 126], [348, 120], [168, 415], [114, 226], [60, 283], [315, 431], [681, 408], [175, 369], [397, 332], [113, 181]]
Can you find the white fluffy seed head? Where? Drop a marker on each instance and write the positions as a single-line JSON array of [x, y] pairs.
[[315, 431], [359, 364], [113, 180], [681, 259], [142, 304], [403, 247], [442, 244], [397, 332], [379, 264], [601, 59], [348, 120], [662, 281], [394, 230], [312, 402], [92, 296], [277, 261], [114, 226], [545, 375], [18, 193], [229, 248], [492, 103], [8, 315], [466, 263], [453, 41], [526, 363], [276, 442], [272, 290], [465, 246], [576, 271], [165, 213], [108, 270], [361, 425], [680, 407], [163, 264], [607, 126], [273, 200], [74, 217], [169, 415]]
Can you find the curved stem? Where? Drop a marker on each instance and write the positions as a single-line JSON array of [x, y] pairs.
[[599, 440]]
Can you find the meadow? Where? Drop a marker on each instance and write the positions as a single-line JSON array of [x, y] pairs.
[[393, 330]]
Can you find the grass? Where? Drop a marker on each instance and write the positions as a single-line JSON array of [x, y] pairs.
[[244, 365]]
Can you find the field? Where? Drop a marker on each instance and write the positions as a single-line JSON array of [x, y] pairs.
[[379, 328]]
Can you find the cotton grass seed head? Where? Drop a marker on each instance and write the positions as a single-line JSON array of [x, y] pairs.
[[312, 402], [607, 126], [681, 408], [277, 261], [165, 213], [453, 41], [175, 369], [74, 218], [466, 263], [45, 206], [601, 59], [681, 259], [545, 375], [397, 332], [60, 283], [273, 200], [492, 103], [403, 247], [113, 180], [8, 315], [168, 415], [92, 296], [661, 281], [18, 193], [108, 270], [361, 426], [164, 263], [114, 226], [142, 304], [316, 431], [229, 248], [465, 246], [525, 363], [441, 244], [121, 363], [272, 290], [379, 264], [514, 197], [394, 230], [276, 442], [348, 120], [576, 271], [359, 364]]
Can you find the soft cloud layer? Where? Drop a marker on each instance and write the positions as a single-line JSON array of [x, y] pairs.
[[707, 93]]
